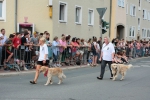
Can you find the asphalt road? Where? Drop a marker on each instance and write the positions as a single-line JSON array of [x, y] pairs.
[[81, 84]]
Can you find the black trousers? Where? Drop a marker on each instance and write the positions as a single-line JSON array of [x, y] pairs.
[[103, 65]]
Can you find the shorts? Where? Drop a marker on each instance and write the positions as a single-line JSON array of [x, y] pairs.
[[94, 53], [73, 53], [42, 64], [81, 52], [8, 53]]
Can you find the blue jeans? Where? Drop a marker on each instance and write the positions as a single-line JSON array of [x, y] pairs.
[[138, 52]]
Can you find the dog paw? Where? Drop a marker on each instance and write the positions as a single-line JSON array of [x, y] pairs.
[[58, 83], [51, 83], [45, 84], [113, 79], [121, 79]]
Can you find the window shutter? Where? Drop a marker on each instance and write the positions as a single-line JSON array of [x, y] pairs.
[[134, 31], [145, 14], [126, 8], [131, 10], [145, 33], [135, 10]]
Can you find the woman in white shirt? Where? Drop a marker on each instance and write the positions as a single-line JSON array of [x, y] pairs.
[[43, 59]]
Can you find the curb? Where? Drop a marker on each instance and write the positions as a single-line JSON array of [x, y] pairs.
[[67, 68], [30, 72]]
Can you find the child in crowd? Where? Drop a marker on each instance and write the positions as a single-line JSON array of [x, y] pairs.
[[117, 59], [9, 50], [124, 57]]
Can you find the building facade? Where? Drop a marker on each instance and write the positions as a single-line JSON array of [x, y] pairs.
[[130, 19], [78, 18]]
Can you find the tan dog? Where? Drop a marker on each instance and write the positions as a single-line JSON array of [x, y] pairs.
[[53, 72], [119, 68]]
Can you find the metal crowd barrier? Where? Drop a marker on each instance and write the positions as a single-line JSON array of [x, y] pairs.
[[24, 55], [133, 52], [21, 57], [68, 59]]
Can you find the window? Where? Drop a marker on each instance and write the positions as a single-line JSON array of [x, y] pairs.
[[1, 2], [132, 31], [121, 3], [148, 13], [144, 14], [91, 17], [2, 9], [126, 8], [78, 13], [148, 33], [62, 12], [139, 21], [132, 10], [139, 4], [144, 33]]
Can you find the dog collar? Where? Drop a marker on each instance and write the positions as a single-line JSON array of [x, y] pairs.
[[45, 74]]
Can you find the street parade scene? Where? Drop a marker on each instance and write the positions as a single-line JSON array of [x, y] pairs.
[[74, 49]]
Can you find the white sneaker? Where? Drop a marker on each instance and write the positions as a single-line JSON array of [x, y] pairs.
[[25, 69], [58, 65]]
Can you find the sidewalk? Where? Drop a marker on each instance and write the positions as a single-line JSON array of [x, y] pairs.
[[13, 73]]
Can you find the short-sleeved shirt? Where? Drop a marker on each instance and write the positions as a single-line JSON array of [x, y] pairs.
[[63, 43], [43, 52], [108, 50], [35, 41], [8, 41], [23, 40], [55, 48], [16, 42], [1, 37]]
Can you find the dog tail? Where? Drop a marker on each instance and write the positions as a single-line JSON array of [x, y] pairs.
[[129, 66], [63, 75]]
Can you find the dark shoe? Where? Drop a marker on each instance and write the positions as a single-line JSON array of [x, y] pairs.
[[100, 78], [32, 82], [6, 69], [111, 77], [7, 63]]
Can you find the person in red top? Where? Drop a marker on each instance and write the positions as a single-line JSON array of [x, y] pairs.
[[17, 41]]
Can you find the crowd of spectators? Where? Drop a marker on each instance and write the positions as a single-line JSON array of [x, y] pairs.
[[22, 48]]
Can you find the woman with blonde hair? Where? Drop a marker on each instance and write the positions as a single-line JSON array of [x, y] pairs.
[[42, 60]]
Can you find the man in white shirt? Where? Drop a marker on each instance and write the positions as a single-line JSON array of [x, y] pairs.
[[107, 56], [1, 39], [4, 38]]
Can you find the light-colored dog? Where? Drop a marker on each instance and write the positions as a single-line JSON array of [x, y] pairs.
[[53, 72], [119, 68]]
